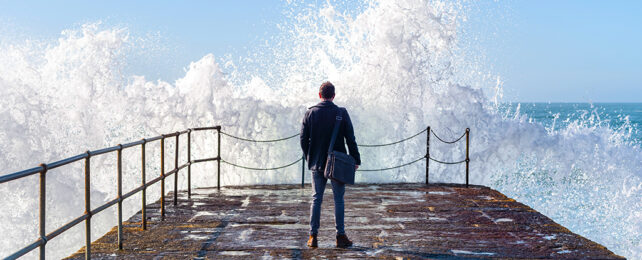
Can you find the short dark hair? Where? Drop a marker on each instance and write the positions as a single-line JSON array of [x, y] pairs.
[[326, 90]]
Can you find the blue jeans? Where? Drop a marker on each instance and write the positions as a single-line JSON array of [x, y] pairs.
[[338, 189]]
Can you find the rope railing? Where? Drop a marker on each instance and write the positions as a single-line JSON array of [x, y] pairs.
[[442, 162], [360, 145], [429, 158], [448, 142], [295, 135], [86, 157], [388, 144], [259, 141], [261, 169], [391, 168]]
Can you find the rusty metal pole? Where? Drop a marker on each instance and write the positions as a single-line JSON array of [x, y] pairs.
[[189, 163], [427, 152], [120, 196], [302, 170], [218, 161], [144, 192], [467, 157], [87, 206], [176, 171], [43, 194], [162, 169]]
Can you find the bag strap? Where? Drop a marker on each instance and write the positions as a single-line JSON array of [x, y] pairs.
[[335, 131]]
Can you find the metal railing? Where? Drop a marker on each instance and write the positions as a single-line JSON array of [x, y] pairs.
[[42, 169]]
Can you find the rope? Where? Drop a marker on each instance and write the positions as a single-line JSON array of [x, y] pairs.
[[395, 167], [262, 169], [295, 135], [403, 140], [259, 141], [360, 145], [452, 142], [435, 160]]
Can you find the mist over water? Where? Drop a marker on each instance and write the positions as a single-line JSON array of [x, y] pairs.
[[398, 67]]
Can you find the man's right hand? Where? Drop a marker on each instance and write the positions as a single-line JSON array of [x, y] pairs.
[[356, 167]]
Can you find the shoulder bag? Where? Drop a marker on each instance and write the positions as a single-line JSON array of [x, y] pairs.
[[339, 166]]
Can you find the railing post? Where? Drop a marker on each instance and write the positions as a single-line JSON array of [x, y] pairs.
[[120, 196], [162, 169], [43, 194], [467, 157], [176, 171], [144, 194], [218, 161], [189, 163], [427, 152], [87, 206], [302, 170]]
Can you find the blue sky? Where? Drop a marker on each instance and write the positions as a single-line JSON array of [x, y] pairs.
[[545, 50], [572, 51]]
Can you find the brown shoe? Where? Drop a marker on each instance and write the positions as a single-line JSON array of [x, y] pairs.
[[312, 242], [343, 241]]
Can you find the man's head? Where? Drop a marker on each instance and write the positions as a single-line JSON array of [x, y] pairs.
[[326, 91]]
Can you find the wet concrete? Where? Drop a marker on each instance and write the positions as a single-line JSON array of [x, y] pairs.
[[384, 221]]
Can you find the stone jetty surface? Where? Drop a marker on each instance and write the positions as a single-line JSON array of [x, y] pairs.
[[412, 221]]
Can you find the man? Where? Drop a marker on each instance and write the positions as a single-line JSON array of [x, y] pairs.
[[316, 133]]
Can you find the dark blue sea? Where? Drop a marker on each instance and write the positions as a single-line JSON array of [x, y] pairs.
[[620, 116]]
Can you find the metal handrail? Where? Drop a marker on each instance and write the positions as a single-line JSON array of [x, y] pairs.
[[43, 168], [20, 174]]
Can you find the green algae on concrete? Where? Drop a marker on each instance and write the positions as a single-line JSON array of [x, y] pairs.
[[385, 221]]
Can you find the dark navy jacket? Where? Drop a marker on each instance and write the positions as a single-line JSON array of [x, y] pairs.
[[316, 132]]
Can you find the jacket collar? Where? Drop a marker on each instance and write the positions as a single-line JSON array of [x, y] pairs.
[[324, 104]]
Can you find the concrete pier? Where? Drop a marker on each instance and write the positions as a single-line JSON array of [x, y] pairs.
[[384, 221]]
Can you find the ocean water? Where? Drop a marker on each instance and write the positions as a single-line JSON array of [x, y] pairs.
[[556, 115], [596, 190], [399, 66]]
